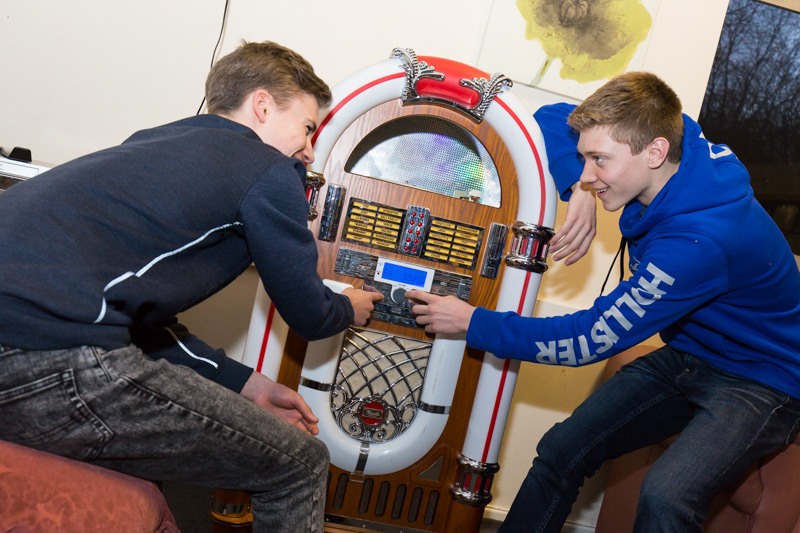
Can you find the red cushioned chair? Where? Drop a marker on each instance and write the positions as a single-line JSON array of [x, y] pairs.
[[766, 500], [40, 491]]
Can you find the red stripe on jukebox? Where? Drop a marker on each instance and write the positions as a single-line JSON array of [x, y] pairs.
[[506, 380], [519, 287], [502, 385], [266, 336], [265, 341], [347, 99]]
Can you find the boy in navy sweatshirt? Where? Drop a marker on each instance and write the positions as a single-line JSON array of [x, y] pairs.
[[100, 254]]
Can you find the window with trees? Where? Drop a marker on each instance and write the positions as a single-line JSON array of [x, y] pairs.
[[752, 104]]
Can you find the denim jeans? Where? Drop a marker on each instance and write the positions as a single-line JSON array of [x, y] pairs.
[[121, 410], [726, 423]]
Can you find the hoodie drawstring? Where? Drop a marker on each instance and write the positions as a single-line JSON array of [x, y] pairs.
[[621, 254]]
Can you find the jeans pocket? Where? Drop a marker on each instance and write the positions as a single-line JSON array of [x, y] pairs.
[[49, 414]]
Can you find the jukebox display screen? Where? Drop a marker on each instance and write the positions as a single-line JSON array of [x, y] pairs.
[[410, 276]]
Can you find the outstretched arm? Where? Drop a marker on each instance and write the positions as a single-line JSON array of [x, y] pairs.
[[440, 314]]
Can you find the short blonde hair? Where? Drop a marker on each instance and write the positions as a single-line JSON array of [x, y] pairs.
[[266, 65], [637, 107]]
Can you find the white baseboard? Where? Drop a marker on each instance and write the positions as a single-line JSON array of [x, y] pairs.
[[496, 513]]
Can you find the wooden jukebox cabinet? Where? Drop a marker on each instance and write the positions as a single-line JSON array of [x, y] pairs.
[[429, 174]]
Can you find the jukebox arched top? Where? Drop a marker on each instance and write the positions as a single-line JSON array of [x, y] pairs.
[[429, 153]]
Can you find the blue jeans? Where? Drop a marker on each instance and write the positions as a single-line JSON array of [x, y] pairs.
[[121, 410], [726, 423]]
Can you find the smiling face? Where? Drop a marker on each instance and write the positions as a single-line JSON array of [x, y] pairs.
[[289, 128], [615, 173]]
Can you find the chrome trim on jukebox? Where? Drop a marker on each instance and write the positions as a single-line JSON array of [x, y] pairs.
[[434, 409], [417, 70], [529, 247], [363, 455], [495, 243], [379, 381], [473, 482], [416, 223], [315, 385], [331, 212], [314, 180], [487, 89]]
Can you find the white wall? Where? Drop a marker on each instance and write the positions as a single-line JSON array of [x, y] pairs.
[[80, 75]]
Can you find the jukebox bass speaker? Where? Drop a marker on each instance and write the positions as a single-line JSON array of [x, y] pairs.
[[429, 174]]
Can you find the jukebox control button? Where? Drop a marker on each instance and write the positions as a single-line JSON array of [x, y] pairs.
[[399, 295]]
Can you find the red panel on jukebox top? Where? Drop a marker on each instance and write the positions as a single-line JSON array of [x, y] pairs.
[[450, 87]]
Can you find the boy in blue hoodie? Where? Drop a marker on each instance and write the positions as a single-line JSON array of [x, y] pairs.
[[711, 273]]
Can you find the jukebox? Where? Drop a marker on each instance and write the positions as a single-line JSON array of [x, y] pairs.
[[429, 174]]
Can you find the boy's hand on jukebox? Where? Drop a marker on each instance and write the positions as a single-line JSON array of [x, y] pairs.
[[440, 314], [363, 303], [281, 401]]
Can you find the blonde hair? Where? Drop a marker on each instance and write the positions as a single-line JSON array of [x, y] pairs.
[[637, 107], [266, 65]]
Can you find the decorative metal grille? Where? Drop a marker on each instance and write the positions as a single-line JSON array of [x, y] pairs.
[[378, 384]]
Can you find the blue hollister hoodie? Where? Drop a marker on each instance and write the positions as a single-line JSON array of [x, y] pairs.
[[711, 273]]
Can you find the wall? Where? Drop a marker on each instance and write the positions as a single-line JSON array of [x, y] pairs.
[[78, 76]]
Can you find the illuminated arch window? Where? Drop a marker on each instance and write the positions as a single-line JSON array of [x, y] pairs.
[[429, 153]]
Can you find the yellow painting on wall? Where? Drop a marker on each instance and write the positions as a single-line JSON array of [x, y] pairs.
[[570, 47]]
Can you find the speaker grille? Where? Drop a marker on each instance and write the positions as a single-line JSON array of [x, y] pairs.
[[383, 499], [422, 502], [366, 494], [399, 498], [341, 490]]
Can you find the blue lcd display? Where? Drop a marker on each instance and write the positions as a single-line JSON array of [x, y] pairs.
[[403, 274]]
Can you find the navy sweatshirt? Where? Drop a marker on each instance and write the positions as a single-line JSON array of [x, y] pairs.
[[711, 273], [105, 250]]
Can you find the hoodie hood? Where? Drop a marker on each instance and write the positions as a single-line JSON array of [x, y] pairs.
[[705, 187]]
